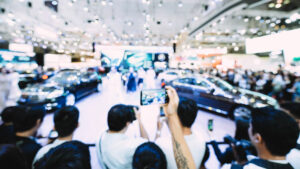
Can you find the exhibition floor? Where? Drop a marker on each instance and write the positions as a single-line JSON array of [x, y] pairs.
[[93, 116]]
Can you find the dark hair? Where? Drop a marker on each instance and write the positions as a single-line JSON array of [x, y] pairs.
[[150, 156], [7, 114], [293, 108], [66, 120], [241, 131], [25, 118], [11, 157], [278, 130], [118, 116], [69, 155], [187, 112]]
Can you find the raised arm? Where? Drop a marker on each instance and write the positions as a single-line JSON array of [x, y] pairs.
[[183, 156], [143, 132]]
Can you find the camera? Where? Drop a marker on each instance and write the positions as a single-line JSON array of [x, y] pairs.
[[243, 148]]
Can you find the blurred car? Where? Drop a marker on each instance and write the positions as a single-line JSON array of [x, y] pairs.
[[217, 95], [27, 77], [170, 75], [62, 89]]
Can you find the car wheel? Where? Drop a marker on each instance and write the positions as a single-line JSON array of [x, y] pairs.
[[241, 112], [99, 87], [70, 99]]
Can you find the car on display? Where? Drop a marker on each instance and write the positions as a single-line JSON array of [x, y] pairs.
[[62, 89], [217, 95], [170, 75]]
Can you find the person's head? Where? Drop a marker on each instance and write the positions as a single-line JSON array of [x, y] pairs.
[[27, 118], [241, 131], [150, 156], [11, 157], [187, 112], [273, 131], [7, 114], [66, 121], [293, 109], [119, 117], [69, 155]]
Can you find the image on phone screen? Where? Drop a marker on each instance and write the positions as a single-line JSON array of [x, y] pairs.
[[153, 96]]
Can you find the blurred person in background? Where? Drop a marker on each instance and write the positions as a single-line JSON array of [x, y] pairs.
[[114, 82], [187, 113], [278, 84], [150, 156], [65, 123], [141, 76], [115, 149], [294, 110], [296, 90], [150, 79], [11, 157], [273, 133], [7, 133], [131, 83], [26, 124], [69, 155], [4, 88]]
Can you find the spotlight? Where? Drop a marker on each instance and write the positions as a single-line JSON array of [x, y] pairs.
[[180, 4]]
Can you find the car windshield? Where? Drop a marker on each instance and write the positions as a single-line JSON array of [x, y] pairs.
[[65, 77], [221, 84], [37, 89]]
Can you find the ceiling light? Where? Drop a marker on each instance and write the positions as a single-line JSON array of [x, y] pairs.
[[103, 2], [278, 6], [180, 4], [258, 18], [278, 22], [236, 48], [272, 24], [271, 5], [195, 18], [246, 20], [86, 9], [288, 21], [54, 3]]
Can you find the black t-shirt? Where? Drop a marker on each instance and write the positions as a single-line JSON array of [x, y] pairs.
[[7, 134], [29, 148]]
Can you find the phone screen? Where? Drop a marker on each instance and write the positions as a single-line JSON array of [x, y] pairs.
[[210, 125], [53, 134], [154, 96]]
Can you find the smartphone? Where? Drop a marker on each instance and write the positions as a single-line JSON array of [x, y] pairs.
[[154, 96], [162, 113], [210, 125]]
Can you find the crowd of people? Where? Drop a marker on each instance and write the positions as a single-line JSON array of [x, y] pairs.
[[272, 133], [282, 85]]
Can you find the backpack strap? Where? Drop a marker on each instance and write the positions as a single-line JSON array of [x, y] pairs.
[[270, 165]]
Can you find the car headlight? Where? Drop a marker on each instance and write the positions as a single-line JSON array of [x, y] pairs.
[[55, 94], [242, 100], [260, 105]]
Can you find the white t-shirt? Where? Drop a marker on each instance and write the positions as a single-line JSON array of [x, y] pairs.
[[294, 156], [195, 142], [44, 150], [118, 150]]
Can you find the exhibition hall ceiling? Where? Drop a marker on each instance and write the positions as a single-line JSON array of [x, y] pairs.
[[73, 25]]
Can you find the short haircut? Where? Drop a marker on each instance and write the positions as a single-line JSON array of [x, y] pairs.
[[118, 116], [25, 118], [11, 157], [69, 155], [66, 120], [293, 108], [278, 130], [242, 126], [7, 114], [187, 112], [150, 156]]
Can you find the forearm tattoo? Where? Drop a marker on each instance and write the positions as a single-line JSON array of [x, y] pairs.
[[181, 160]]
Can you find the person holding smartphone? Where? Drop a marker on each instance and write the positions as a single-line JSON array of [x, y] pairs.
[[187, 113]]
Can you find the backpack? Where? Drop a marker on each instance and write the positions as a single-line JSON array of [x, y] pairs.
[[264, 164]]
